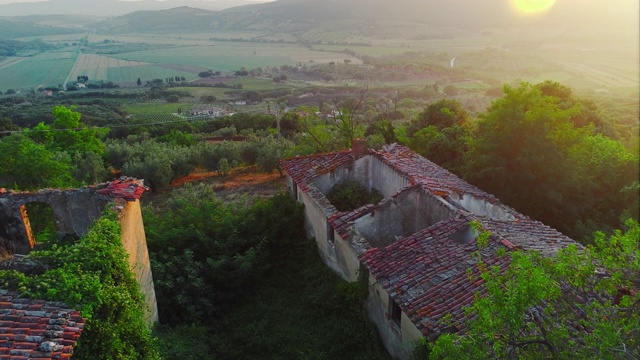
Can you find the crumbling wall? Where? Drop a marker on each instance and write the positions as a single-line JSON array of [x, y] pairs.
[[402, 215], [483, 207], [74, 211], [399, 339], [135, 243], [369, 171]]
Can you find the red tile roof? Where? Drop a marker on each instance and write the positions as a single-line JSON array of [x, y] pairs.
[[126, 188], [430, 275], [303, 169], [420, 170], [528, 234], [37, 329]]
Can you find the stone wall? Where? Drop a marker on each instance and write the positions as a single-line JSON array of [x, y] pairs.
[[398, 338], [368, 171], [404, 214], [74, 211], [135, 243]]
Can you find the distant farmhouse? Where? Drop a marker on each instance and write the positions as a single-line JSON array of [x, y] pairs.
[[415, 245], [208, 111]]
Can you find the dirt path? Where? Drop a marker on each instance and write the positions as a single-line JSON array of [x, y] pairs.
[[242, 182]]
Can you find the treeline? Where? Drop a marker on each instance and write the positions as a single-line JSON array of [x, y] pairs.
[[549, 154], [13, 47]]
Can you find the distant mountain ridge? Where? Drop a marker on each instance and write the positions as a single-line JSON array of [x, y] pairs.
[[106, 8], [300, 15]]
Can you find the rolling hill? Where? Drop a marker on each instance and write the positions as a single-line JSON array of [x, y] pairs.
[[301, 15]]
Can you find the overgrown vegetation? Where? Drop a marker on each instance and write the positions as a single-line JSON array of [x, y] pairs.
[[93, 276], [580, 304], [217, 265], [350, 195]]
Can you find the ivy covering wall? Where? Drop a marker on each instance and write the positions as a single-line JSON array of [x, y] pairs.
[[92, 275]]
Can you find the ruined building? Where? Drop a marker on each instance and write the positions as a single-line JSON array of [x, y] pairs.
[[74, 211], [415, 245]]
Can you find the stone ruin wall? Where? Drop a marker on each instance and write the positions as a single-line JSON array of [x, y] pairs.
[[74, 211]]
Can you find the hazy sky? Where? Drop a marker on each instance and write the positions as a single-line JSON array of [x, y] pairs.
[[23, 1]]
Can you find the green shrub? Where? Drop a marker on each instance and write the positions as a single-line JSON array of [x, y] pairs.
[[350, 195], [93, 276]]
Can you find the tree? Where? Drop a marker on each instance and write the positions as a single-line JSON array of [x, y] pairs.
[[450, 90], [441, 114], [69, 134], [28, 166], [173, 99], [569, 167], [253, 96], [446, 147], [208, 99], [579, 304], [6, 124], [139, 82]]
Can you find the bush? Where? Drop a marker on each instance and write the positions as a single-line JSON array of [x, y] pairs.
[[205, 254], [350, 195], [93, 275]]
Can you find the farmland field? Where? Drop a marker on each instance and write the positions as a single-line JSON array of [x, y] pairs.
[[157, 107], [46, 69], [96, 67], [230, 56], [11, 61]]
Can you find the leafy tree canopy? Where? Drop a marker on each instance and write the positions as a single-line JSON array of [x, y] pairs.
[[582, 304]]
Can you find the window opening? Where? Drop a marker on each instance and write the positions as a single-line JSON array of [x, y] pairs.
[[396, 312], [40, 222]]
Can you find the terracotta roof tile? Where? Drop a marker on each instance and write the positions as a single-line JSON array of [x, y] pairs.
[[422, 171], [529, 234], [37, 329], [127, 188], [303, 169], [430, 275]]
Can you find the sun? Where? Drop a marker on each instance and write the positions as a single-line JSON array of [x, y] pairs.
[[533, 6]]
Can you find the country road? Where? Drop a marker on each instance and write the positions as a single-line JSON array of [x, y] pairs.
[[64, 85]]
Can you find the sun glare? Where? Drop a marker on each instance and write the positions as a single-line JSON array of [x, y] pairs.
[[533, 6]]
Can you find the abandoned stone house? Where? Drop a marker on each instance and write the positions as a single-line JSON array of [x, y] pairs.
[[415, 245], [48, 330]]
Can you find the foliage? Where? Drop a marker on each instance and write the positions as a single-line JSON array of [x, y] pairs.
[[93, 276], [384, 128], [205, 254], [441, 114], [350, 195], [581, 304], [446, 147], [528, 152], [26, 165], [185, 342], [297, 290]]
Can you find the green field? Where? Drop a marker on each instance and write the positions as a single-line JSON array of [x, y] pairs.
[[157, 107], [231, 56], [46, 69], [155, 118], [129, 74]]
